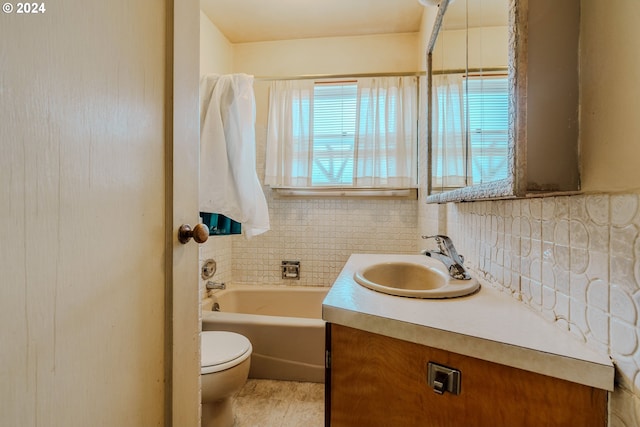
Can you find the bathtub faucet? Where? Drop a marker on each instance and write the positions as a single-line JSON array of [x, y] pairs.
[[448, 254], [215, 285]]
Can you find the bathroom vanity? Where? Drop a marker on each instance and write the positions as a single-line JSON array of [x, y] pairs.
[[388, 361]]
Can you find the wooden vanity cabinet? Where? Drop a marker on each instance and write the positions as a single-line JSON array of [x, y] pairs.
[[374, 380]]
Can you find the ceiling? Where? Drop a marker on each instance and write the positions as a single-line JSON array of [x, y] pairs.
[[485, 13], [243, 21]]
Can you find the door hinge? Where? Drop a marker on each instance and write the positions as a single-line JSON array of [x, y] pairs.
[[327, 359]]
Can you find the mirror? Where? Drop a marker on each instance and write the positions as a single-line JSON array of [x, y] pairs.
[[469, 92], [503, 90]]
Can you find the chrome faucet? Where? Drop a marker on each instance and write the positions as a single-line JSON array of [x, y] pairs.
[[215, 285], [449, 256]]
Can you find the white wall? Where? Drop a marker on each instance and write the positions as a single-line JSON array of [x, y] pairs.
[[610, 66], [488, 47], [358, 54], [216, 53], [334, 55]]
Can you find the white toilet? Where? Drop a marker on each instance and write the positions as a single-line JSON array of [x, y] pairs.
[[225, 361]]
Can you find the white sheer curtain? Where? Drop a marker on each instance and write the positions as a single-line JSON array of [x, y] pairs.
[[290, 134], [386, 132], [449, 143], [385, 140]]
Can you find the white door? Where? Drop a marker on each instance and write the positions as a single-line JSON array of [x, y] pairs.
[[93, 324]]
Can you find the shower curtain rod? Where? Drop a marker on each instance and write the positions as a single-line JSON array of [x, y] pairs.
[[470, 71], [338, 76]]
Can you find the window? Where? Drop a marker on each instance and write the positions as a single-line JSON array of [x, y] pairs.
[[471, 130], [334, 133], [347, 134], [488, 115]]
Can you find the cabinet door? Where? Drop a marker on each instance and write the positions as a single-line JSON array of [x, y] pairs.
[[381, 381], [488, 141]]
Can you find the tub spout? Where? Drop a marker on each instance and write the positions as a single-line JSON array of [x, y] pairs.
[[215, 285]]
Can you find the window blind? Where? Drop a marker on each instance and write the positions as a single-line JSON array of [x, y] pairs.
[[487, 106], [334, 128]]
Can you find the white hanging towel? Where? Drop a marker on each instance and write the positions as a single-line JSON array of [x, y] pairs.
[[229, 184]]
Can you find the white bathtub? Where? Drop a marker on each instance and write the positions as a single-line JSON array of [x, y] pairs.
[[283, 323]]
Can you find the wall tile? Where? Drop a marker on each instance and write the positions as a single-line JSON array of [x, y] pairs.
[[562, 308], [562, 207], [561, 233], [576, 259], [535, 288], [548, 274], [598, 322], [548, 300], [622, 271], [563, 280], [577, 208], [321, 234], [624, 338], [579, 284], [624, 209], [598, 294], [623, 306], [578, 316], [218, 248], [562, 254]]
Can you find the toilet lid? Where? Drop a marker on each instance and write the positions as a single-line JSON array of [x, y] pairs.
[[222, 350]]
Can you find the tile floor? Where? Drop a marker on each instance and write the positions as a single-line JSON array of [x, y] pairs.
[[270, 403]]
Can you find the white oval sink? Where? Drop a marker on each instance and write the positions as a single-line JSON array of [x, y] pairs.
[[408, 279]]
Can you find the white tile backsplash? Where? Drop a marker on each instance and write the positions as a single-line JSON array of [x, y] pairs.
[[218, 248], [576, 260], [321, 234]]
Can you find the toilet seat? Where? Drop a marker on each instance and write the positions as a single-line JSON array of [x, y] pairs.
[[222, 350]]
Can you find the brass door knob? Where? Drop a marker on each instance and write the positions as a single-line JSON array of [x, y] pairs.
[[200, 233]]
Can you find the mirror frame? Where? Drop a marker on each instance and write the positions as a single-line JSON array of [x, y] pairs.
[[515, 184]]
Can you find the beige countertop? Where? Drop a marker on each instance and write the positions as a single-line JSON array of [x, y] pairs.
[[488, 325]]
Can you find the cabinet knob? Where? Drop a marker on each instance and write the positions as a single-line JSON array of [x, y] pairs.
[[200, 233]]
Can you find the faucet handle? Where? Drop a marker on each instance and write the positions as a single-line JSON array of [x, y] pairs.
[[439, 238], [446, 247]]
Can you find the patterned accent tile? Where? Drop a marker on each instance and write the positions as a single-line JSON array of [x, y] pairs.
[[624, 209], [624, 338], [623, 306], [576, 259], [598, 208], [598, 322]]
